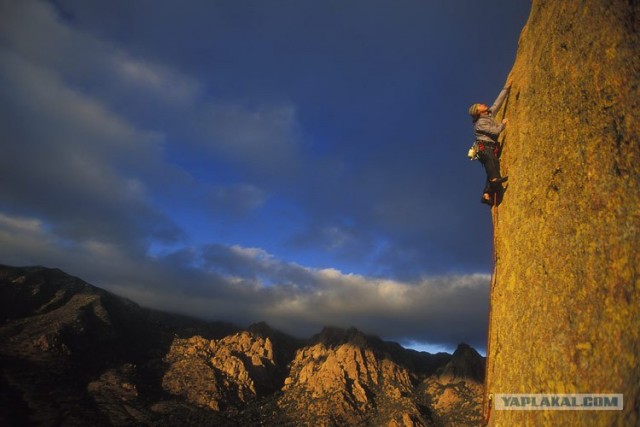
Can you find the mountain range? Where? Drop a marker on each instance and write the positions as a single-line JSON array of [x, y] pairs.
[[74, 354]]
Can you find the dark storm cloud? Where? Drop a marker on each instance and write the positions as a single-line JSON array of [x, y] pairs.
[[247, 285], [67, 156], [61, 157], [36, 31], [125, 123], [337, 106]]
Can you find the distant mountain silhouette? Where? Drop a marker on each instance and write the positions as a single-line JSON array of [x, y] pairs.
[[465, 363], [74, 354]]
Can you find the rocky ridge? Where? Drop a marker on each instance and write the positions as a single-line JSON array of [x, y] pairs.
[[345, 381], [455, 387], [74, 354], [221, 374]]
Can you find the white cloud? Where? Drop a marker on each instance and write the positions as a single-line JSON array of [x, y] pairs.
[[23, 240], [302, 299], [25, 225], [160, 80], [33, 30]]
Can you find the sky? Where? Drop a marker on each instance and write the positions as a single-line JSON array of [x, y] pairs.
[[299, 162]]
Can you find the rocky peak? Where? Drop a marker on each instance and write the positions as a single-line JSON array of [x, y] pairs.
[[465, 364], [285, 346], [222, 373], [340, 378], [261, 328], [463, 348], [335, 337], [455, 390]]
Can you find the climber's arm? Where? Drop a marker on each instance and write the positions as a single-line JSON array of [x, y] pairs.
[[500, 99]]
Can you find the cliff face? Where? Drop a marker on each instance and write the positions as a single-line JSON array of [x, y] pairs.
[[565, 303]]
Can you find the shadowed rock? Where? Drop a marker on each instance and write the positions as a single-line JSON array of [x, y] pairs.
[[75, 354]]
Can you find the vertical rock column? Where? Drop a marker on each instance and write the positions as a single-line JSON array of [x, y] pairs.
[[565, 308]]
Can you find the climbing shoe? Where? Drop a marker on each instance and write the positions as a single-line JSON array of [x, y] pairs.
[[500, 180], [486, 201]]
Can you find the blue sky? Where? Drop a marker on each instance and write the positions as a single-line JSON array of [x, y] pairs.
[[298, 162]]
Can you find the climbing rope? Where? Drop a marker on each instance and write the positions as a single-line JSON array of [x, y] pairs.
[[489, 408], [487, 402]]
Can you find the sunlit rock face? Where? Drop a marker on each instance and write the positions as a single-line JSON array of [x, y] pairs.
[[218, 374], [565, 305], [456, 389], [350, 382], [344, 377]]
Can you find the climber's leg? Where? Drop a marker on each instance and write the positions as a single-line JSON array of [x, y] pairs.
[[492, 167]]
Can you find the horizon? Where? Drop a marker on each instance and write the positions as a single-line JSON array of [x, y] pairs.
[[417, 346], [301, 163]]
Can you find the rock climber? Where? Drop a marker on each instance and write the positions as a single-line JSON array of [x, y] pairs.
[[486, 131]]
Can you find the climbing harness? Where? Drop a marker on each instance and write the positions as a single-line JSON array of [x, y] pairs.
[[479, 146]]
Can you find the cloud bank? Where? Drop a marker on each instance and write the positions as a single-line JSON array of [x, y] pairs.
[[247, 285]]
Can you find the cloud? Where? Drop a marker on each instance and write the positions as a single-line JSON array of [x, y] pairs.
[[263, 139], [237, 199], [435, 310], [68, 158], [256, 266], [28, 240], [24, 240], [338, 148], [159, 80], [301, 300], [245, 285], [35, 31]]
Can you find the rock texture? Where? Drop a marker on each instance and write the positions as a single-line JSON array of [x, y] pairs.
[[454, 391], [346, 378], [72, 354], [221, 374], [565, 305]]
